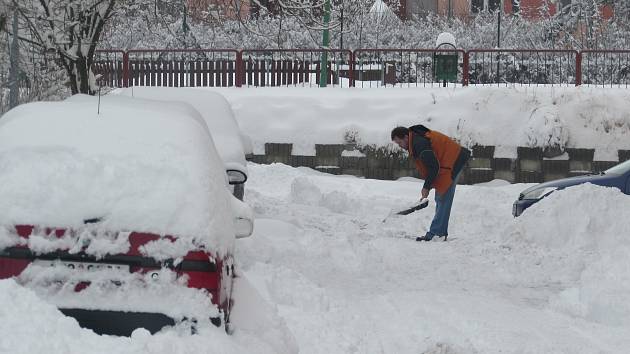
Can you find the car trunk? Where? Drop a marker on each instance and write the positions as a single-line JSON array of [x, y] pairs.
[[79, 271]]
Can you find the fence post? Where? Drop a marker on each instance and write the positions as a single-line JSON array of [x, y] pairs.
[[351, 70], [466, 69], [239, 68], [578, 68], [125, 67]]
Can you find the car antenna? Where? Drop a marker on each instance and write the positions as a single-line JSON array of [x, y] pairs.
[[98, 109]]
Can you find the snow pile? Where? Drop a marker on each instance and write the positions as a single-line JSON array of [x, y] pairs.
[[305, 191], [546, 129], [352, 153], [216, 112], [445, 38], [324, 274], [139, 165], [344, 281], [542, 116], [100, 243], [581, 236], [26, 317]]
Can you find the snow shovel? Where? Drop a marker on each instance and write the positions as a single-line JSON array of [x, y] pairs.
[[423, 203]]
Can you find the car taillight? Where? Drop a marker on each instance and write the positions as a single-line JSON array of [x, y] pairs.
[[12, 267]]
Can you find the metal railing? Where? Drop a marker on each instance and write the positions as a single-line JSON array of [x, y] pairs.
[[361, 68], [605, 67], [522, 66], [403, 67]]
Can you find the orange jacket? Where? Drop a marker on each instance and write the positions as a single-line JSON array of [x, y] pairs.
[[446, 151]]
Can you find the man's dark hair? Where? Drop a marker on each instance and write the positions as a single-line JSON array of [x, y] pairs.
[[400, 132]]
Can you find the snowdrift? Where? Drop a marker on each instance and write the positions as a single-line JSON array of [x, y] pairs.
[[537, 116], [580, 237]]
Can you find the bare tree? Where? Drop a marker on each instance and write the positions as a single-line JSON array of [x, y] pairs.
[[68, 30]]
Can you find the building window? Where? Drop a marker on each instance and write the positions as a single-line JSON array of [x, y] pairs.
[[476, 6], [494, 5]]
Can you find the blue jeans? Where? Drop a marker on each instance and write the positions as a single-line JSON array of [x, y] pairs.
[[443, 204]]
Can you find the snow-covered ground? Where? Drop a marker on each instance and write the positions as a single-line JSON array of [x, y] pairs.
[[324, 274], [553, 281], [535, 116]]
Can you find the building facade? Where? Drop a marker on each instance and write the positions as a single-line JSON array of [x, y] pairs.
[[529, 9], [227, 9]]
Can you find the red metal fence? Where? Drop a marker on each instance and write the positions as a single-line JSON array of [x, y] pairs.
[[524, 67], [402, 67], [361, 68], [605, 68]]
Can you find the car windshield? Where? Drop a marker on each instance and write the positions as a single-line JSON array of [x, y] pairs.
[[620, 169]]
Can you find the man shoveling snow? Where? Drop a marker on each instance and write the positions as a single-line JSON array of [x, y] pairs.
[[440, 161]]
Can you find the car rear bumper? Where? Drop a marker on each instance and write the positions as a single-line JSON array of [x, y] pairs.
[[147, 304], [519, 206], [118, 323]]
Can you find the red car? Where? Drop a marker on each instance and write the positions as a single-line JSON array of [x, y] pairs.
[[119, 216]]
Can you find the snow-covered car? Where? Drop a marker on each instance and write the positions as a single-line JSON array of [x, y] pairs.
[[231, 144], [117, 211], [617, 177]]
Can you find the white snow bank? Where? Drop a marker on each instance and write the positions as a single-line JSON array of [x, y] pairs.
[[139, 165], [345, 282], [32, 326], [352, 153], [216, 112], [254, 316], [579, 117], [494, 183], [581, 235]]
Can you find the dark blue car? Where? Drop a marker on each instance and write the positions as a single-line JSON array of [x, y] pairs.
[[618, 176]]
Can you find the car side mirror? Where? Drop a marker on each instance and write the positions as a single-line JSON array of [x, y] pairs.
[[244, 227], [236, 177]]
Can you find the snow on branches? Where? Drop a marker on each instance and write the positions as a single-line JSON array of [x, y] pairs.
[[69, 30]]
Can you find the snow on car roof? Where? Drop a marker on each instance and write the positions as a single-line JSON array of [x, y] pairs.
[[139, 165], [215, 110]]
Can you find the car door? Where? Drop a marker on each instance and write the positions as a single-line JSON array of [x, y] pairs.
[[628, 184]]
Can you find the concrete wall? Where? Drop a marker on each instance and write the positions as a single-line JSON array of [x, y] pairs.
[[530, 165]]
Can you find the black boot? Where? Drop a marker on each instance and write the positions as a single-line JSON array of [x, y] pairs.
[[428, 237]]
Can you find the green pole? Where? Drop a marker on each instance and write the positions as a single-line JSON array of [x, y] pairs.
[[323, 77], [185, 26]]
